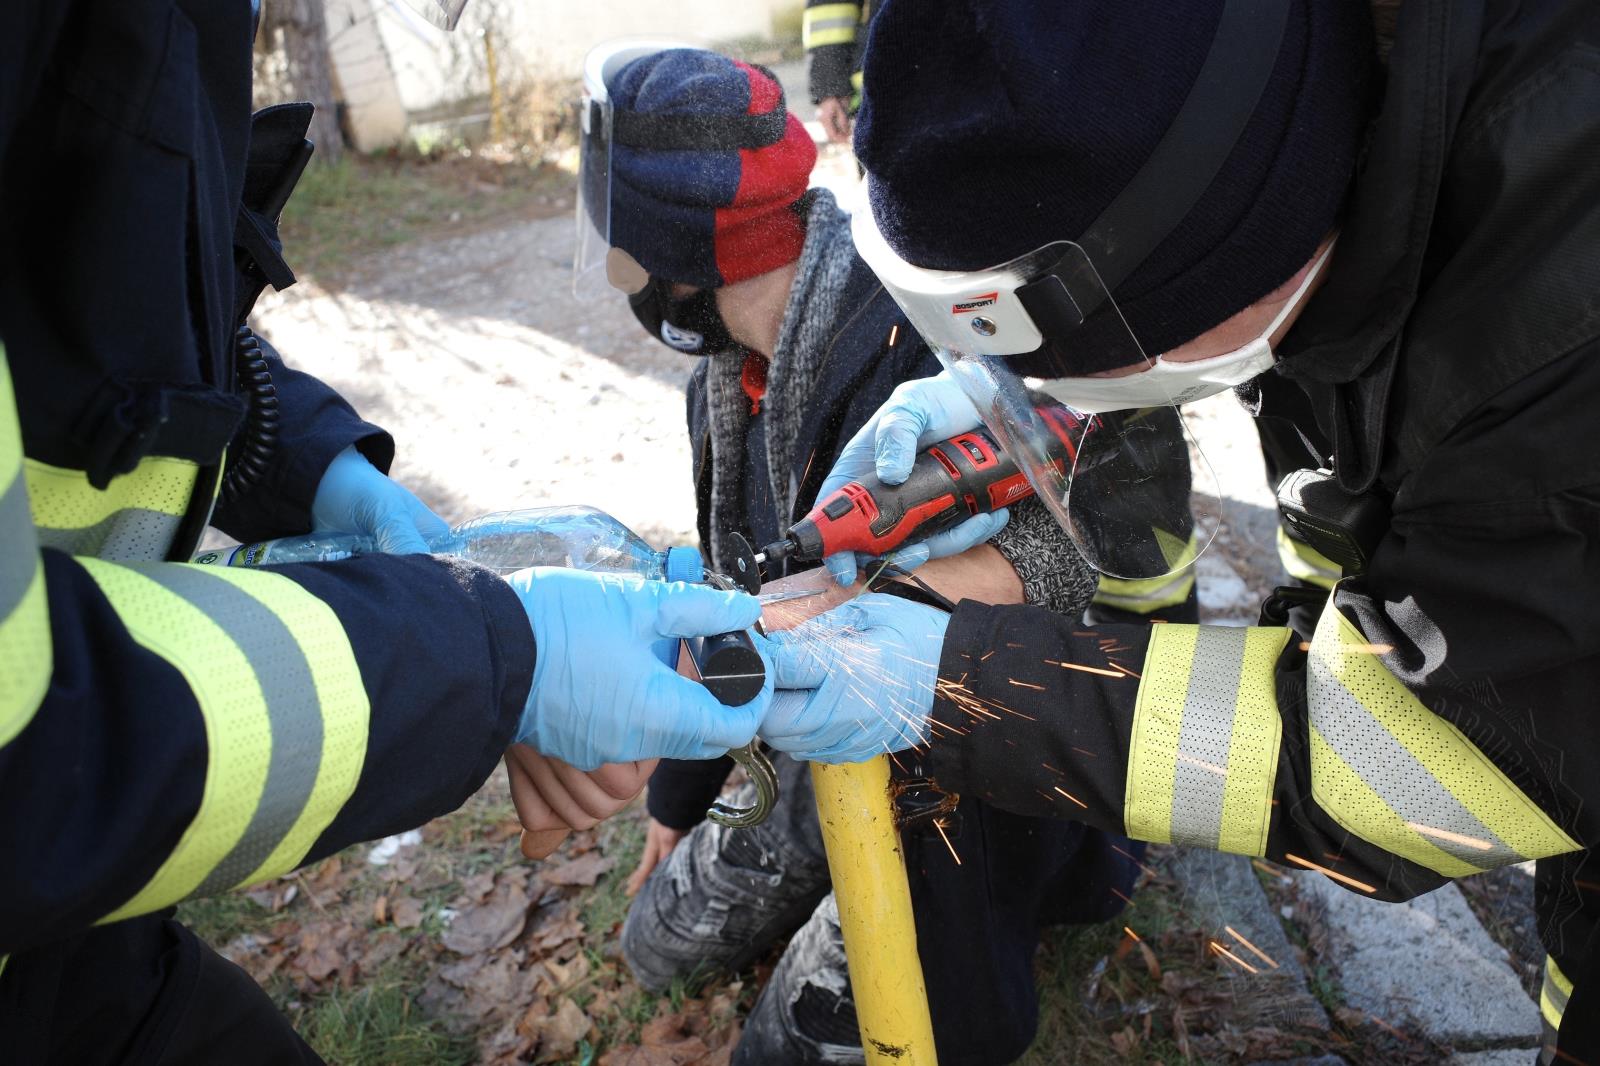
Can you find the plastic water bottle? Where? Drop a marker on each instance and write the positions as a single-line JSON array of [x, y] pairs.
[[579, 538]]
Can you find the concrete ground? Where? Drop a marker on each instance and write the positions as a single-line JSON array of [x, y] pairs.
[[506, 391]]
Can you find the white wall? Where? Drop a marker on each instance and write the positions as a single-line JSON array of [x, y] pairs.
[[549, 39]]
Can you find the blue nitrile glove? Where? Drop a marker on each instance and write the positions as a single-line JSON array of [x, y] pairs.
[[918, 413], [602, 691], [871, 665], [354, 497]]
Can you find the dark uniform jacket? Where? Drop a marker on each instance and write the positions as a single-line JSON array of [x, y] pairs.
[[1442, 718], [167, 730], [835, 36]]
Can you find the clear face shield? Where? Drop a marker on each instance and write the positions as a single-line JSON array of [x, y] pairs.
[[1127, 482], [598, 268]]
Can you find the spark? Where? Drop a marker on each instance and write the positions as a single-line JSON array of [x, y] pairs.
[[1052, 769], [1124, 669], [1024, 684], [1184, 757], [1122, 897], [1447, 835], [1071, 797], [1118, 674], [938, 823], [1225, 953], [894, 334], [1084, 752], [1262, 955], [1335, 874], [1129, 856], [985, 656], [1131, 933]]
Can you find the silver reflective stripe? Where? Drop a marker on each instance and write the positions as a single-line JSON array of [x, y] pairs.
[[817, 25], [293, 708], [18, 561], [133, 534], [1205, 734], [1403, 784]]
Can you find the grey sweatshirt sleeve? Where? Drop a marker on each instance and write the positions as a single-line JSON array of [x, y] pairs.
[[1054, 575]]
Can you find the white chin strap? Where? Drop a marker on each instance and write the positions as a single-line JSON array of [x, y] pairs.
[[1168, 383]]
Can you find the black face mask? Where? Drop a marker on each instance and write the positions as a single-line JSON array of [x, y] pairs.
[[692, 325]]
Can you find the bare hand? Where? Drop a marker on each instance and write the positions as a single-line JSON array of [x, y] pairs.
[[834, 115], [658, 844], [552, 798]]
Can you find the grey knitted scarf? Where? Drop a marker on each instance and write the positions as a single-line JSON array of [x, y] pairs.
[[809, 321]]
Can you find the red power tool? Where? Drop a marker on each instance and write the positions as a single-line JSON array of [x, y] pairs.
[[950, 482]]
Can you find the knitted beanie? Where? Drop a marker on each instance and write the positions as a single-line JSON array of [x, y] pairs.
[[721, 210], [992, 127]]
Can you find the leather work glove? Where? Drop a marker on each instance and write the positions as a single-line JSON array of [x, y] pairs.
[[354, 497], [603, 691], [871, 666], [918, 413]]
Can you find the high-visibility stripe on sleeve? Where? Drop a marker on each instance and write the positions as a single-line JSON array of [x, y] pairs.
[[1206, 731], [829, 24], [1392, 772], [25, 650], [133, 518], [284, 709], [1554, 995], [1300, 560], [1145, 595]]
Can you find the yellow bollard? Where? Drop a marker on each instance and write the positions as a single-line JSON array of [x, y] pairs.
[[880, 937]]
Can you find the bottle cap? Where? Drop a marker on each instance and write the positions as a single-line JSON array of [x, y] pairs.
[[683, 564]]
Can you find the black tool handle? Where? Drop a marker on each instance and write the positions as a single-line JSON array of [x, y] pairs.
[[729, 666]]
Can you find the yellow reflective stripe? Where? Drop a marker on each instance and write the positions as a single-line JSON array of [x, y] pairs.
[[1203, 755], [25, 649], [1300, 560], [342, 702], [238, 733], [135, 517], [1555, 993], [258, 814], [828, 24], [1144, 595], [1392, 772]]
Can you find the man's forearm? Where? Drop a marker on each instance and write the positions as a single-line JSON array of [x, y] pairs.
[[979, 573]]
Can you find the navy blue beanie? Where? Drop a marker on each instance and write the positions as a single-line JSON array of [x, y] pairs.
[[989, 129], [707, 216]]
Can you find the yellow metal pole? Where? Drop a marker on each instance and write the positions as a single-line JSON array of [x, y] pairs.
[[880, 938]]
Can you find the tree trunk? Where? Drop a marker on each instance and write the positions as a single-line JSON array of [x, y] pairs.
[[300, 29]]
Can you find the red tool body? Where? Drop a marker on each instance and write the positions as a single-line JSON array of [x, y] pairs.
[[968, 474]]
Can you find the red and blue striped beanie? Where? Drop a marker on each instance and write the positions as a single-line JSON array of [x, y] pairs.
[[706, 168]]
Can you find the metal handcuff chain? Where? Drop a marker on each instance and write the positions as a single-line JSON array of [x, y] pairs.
[[750, 756]]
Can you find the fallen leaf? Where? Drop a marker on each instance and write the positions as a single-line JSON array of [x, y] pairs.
[[407, 913], [489, 925], [380, 910], [478, 885], [584, 870], [560, 1032], [557, 933], [634, 1055]]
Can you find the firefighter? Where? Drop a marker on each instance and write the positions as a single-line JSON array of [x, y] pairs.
[[170, 730], [835, 36], [1210, 182]]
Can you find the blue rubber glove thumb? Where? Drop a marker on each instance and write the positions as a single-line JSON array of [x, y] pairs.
[[918, 413], [871, 667], [355, 497], [600, 692]]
